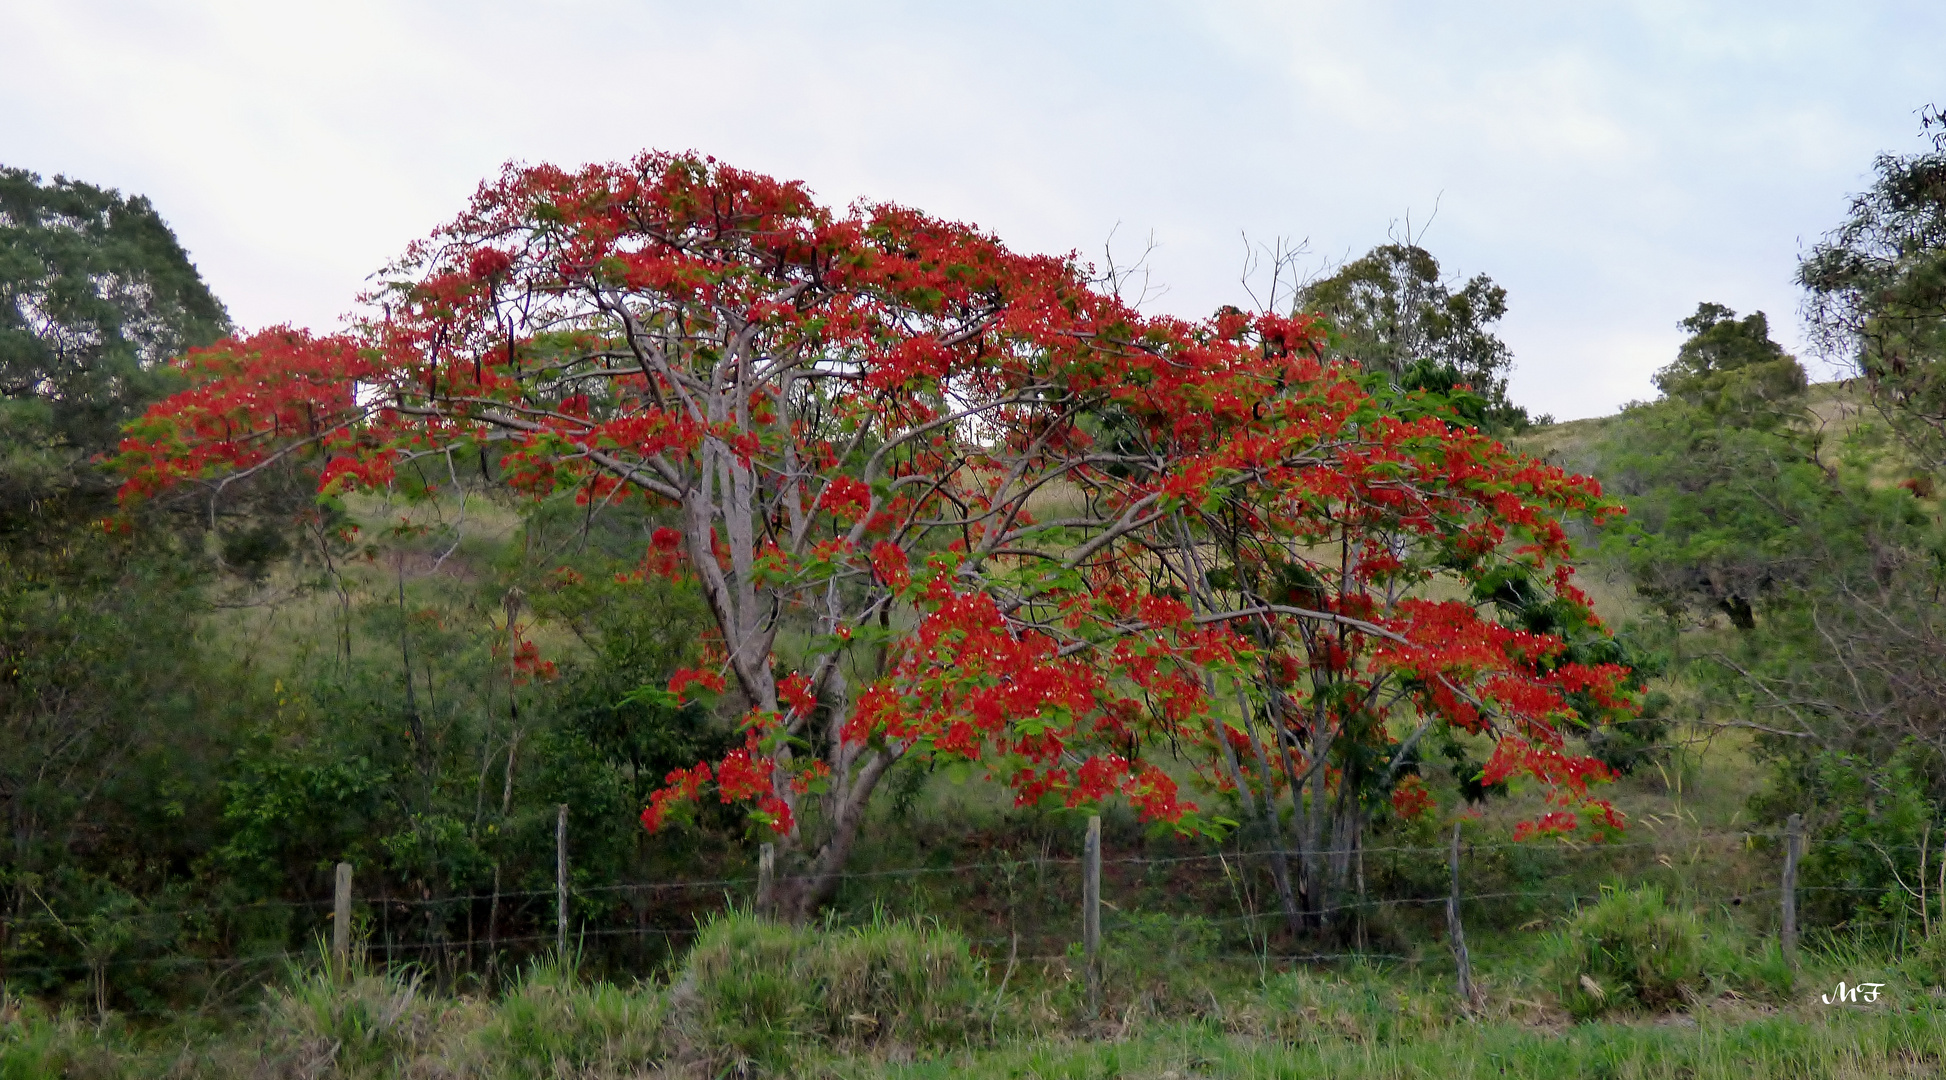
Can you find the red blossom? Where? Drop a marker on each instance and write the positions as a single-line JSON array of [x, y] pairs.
[[684, 678], [795, 690], [1410, 798], [845, 497]]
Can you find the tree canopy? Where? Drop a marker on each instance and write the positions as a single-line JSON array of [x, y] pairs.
[[1728, 503], [1876, 289], [1393, 312], [95, 294], [1732, 370]]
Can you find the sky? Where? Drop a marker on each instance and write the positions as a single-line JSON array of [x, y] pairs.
[[1610, 165]]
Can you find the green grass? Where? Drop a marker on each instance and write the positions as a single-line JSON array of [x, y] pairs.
[[1848, 1046], [900, 999]]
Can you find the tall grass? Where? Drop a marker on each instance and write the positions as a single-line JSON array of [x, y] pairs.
[[1852, 1046], [1683, 997], [756, 995], [554, 1024]]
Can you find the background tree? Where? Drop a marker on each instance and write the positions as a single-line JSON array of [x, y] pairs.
[[1876, 290], [1729, 503], [1731, 370], [1772, 505], [111, 716], [95, 293], [1393, 312]]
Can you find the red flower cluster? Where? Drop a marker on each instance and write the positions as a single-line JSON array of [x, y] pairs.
[[1410, 798], [680, 787], [846, 498], [684, 678], [795, 689], [1552, 823]]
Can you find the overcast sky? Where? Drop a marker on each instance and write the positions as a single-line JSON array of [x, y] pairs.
[[1610, 164]]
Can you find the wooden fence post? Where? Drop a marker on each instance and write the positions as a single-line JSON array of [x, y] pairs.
[[766, 879], [561, 880], [1793, 847], [1456, 931], [341, 922], [1091, 913]]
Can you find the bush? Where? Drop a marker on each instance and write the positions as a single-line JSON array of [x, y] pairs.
[[351, 1024], [754, 993], [1627, 951], [1925, 963], [32, 1043], [1878, 820], [1359, 1003], [552, 1024], [1163, 960]]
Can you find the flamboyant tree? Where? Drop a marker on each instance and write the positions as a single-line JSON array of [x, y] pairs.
[[941, 498]]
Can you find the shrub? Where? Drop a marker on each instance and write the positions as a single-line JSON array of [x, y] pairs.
[[355, 1024], [1626, 951], [1925, 963], [1879, 820], [753, 993], [1360, 1003], [32, 1043], [1164, 959], [552, 1024]]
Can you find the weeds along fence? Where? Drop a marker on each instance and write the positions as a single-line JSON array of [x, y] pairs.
[[1080, 910]]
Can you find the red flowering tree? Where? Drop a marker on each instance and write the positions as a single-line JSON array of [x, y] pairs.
[[1004, 520], [1398, 577]]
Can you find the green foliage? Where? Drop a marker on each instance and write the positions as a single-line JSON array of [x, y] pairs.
[[177, 757], [1730, 505], [1877, 290], [1875, 842], [1392, 311], [95, 292], [115, 723], [115, 715], [1627, 745], [1732, 371], [1738, 508], [1626, 951], [554, 1024]]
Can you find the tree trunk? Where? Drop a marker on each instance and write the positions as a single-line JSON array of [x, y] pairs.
[[1273, 826], [800, 890], [1346, 825], [1314, 833]]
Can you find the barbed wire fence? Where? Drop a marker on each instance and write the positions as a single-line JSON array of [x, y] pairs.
[[1031, 907]]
